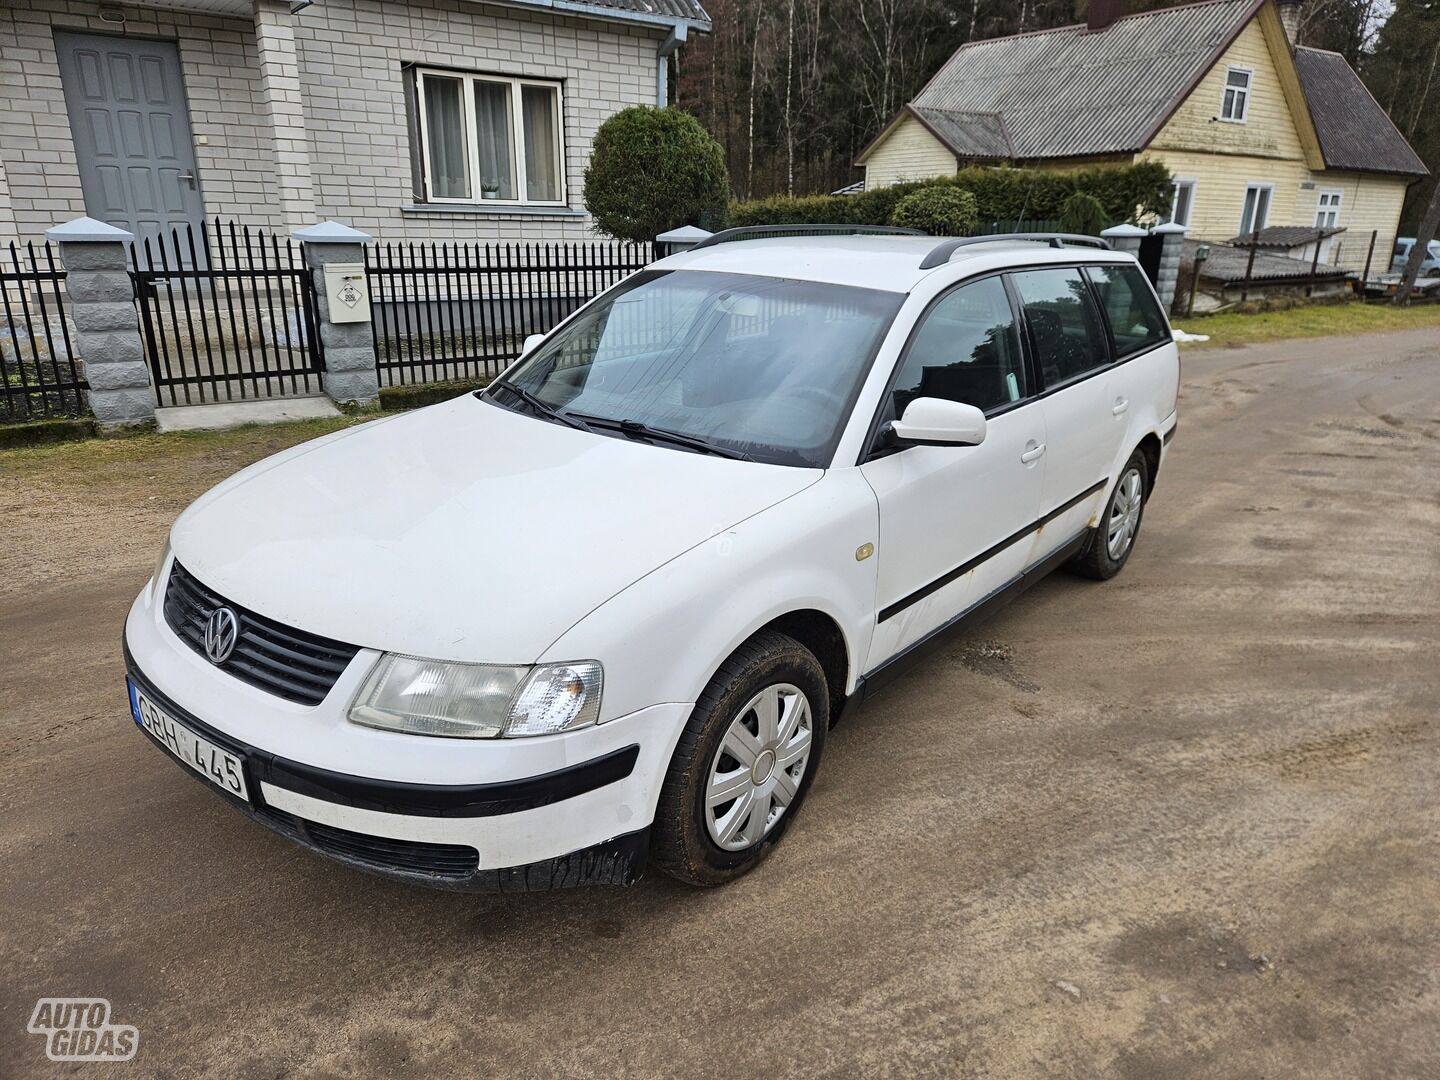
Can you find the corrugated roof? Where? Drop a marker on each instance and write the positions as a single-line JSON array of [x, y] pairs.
[[1070, 92], [652, 11], [1287, 236], [967, 134], [1355, 133]]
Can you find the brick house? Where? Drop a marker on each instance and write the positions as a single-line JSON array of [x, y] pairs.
[[1258, 133], [409, 119]]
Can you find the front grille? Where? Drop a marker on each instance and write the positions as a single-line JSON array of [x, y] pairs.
[[289, 663], [452, 862]]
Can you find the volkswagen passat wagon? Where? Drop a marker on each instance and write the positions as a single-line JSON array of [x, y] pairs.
[[607, 608]]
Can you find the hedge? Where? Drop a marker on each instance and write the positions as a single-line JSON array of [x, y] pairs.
[[1125, 192], [940, 211]]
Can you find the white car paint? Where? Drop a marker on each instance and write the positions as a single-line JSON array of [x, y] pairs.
[[468, 532]]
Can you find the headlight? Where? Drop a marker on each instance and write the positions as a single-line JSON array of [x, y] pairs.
[[159, 569], [477, 701]]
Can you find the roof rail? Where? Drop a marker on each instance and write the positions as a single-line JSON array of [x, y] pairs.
[[940, 254], [760, 232]]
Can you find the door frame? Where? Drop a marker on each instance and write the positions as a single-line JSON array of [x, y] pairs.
[[59, 32]]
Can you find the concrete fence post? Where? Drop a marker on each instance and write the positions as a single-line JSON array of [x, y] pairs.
[[1125, 238], [107, 329], [1173, 247], [677, 240], [344, 319]]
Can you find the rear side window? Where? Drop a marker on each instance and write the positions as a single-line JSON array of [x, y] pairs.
[[966, 349], [1136, 321], [1064, 322]]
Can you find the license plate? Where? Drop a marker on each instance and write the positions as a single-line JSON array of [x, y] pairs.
[[215, 763]]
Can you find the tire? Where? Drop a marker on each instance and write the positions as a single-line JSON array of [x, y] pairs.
[[789, 685], [1103, 558]]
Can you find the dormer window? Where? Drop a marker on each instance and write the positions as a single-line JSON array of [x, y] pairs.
[[1237, 95]]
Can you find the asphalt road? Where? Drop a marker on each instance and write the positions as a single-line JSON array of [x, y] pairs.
[[1184, 823]]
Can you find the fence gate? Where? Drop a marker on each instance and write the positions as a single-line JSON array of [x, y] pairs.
[[1151, 248], [227, 314]]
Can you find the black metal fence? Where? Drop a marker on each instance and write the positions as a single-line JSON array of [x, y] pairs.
[[39, 373], [462, 311], [227, 313]]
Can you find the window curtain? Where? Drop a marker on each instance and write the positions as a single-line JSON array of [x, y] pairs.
[[446, 135], [492, 132], [539, 109]]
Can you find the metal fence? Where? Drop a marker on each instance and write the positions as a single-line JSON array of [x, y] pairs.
[[462, 311], [226, 312], [39, 372]]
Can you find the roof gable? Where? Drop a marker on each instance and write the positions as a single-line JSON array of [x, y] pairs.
[[1355, 133], [1070, 92]]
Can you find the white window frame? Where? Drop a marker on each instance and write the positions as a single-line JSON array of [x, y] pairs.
[[1242, 94], [1185, 182], [1257, 186], [1333, 209], [472, 148]]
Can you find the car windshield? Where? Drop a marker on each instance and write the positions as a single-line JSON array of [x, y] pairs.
[[761, 367]]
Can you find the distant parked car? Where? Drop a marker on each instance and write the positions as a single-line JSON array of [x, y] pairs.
[[1403, 247], [610, 605]]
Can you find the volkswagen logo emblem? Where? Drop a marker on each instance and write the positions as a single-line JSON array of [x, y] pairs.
[[220, 634]]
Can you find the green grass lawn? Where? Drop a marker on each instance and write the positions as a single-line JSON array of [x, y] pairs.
[[1320, 320]]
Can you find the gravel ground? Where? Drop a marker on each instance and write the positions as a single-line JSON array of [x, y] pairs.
[[1184, 823]]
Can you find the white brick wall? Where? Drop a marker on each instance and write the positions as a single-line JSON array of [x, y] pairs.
[[351, 52], [221, 72], [351, 57]]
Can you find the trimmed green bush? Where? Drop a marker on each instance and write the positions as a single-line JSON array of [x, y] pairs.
[[652, 170], [939, 211], [781, 210], [1082, 213], [1003, 195]]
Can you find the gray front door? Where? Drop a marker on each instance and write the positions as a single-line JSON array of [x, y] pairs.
[[131, 129]]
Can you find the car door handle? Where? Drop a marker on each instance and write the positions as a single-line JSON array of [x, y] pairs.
[[1033, 453], [1121, 404]]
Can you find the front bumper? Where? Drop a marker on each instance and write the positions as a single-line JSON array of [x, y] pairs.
[[502, 814]]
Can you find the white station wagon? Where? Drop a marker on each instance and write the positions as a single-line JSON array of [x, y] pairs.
[[607, 609]]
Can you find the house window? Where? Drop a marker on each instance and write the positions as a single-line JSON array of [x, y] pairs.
[[1257, 208], [485, 138], [1183, 202], [1237, 95], [1327, 211]]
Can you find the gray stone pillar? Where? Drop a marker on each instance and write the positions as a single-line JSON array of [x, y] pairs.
[[678, 240], [1170, 253], [1125, 238], [107, 329], [350, 373]]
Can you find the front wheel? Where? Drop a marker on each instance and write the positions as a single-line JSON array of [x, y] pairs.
[[1114, 539], [744, 762]]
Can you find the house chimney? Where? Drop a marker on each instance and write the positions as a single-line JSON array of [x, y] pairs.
[[1290, 12], [1102, 13]]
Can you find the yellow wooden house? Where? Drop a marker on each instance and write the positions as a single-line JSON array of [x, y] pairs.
[[1258, 133]]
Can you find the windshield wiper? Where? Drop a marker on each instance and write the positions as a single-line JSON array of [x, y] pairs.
[[635, 429], [544, 408]]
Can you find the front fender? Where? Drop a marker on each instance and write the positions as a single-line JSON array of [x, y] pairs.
[[662, 638]]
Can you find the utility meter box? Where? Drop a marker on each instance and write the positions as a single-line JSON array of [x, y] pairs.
[[346, 291]]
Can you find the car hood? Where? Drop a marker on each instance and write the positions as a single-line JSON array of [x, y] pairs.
[[463, 531]]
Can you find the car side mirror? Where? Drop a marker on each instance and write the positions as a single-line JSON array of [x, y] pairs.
[[530, 344], [938, 422]]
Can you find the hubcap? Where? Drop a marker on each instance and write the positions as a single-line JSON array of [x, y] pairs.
[[759, 766], [1124, 515]]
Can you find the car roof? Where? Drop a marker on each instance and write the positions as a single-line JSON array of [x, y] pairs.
[[890, 263]]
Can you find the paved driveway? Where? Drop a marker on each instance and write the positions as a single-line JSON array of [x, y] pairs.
[[1186, 823]]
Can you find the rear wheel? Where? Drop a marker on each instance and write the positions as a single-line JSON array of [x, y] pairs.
[[744, 762], [1114, 539]]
